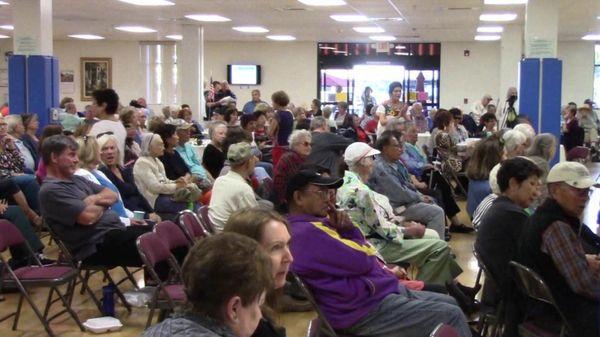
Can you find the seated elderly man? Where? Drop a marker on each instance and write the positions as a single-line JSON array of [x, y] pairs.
[[387, 179], [69, 119], [395, 239], [356, 293], [326, 146], [17, 130], [187, 152], [552, 246], [232, 192], [78, 210]]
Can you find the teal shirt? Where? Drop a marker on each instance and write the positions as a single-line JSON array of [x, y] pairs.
[[190, 157], [70, 122]]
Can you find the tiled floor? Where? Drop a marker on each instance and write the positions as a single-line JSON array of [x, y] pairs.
[[296, 323]]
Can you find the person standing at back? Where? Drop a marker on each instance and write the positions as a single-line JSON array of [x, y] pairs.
[[105, 105], [281, 125]]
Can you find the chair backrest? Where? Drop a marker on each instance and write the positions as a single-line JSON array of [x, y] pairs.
[[192, 226], [481, 264], [9, 235], [324, 325], [444, 330], [203, 213], [152, 249], [171, 235]]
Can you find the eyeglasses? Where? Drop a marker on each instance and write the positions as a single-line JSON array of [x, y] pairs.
[[324, 194], [581, 192], [110, 133]]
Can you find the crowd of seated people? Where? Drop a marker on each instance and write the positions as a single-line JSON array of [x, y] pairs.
[[360, 194]]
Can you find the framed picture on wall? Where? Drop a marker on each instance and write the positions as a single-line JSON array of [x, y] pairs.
[[96, 73]]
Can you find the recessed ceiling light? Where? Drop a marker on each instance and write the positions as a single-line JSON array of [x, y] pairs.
[[174, 37], [490, 29], [498, 17], [369, 29], [400, 47], [3, 3], [7, 27], [281, 37], [323, 2], [135, 29], [4, 37], [382, 37], [402, 53], [505, 2], [208, 17], [327, 48], [251, 29], [349, 18], [87, 37], [149, 2], [487, 37], [598, 17], [591, 37]]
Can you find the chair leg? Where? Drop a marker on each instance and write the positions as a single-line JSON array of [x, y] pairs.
[[117, 290], [18, 313], [48, 303], [35, 310], [83, 284], [130, 277], [66, 302], [89, 291]]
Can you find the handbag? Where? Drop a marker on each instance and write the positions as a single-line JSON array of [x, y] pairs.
[[189, 193]]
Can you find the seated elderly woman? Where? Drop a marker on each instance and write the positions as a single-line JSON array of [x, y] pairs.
[[271, 231], [486, 155], [213, 157], [528, 131], [12, 166], [514, 143], [291, 162], [225, 280], [122, 178], [394, 238], [88, 153], [167, 196], [541, 152]]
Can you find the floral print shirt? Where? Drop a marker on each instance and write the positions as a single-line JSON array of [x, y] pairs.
[[11, 160]]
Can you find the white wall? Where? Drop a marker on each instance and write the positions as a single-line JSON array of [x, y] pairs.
[[468, 77], [578, 70]]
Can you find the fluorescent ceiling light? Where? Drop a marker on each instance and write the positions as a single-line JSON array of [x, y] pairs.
[[382, 37], [207, 17], [327, 48], [251, 29], [369, 29], [400, 47], [7, 27], [402, 53], [490, 29], [3, 3], [487, 37], [149, 2], [135, 29], [87, 37], [4, 37], [281, 37], [323, 2], [349, 18], [591, 37], [174, 37], [498, 17], [505, 2]]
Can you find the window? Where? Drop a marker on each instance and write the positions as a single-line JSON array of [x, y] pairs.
[[597, 74], [160, 72]]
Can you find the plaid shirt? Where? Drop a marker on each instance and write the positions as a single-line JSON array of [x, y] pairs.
[[561, 243]]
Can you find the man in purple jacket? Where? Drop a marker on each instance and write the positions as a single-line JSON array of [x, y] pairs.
[[356, 293]]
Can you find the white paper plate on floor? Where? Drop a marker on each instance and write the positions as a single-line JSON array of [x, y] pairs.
[[103, 324]]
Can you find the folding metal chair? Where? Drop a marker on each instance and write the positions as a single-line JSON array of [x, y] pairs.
[[36, 276], [203, 214], [191, 225], [489, 316], [444, 330], [67, 257], [534, 287], [167, 296]]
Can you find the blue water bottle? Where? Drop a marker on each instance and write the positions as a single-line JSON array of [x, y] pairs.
[[108, 300]]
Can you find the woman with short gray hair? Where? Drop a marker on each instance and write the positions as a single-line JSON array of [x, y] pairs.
[[514, 143], [541, 152], [291, 162]]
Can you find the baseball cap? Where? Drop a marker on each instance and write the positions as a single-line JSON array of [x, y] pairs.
[[357, 151], [571, 173], [239, 153], [310, 177]]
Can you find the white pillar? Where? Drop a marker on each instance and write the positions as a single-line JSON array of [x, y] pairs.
[[192, 69], [511, 50], [541, 28], [33, 27]]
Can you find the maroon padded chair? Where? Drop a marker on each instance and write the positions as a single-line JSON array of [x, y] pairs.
[[444, 330], [36, 276], [167, 296], [203, 213], [172, 235], [192, 226]]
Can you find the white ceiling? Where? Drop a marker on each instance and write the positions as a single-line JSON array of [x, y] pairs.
[[425, 20]]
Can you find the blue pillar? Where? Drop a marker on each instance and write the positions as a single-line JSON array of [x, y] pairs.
[[540, 88], [34, 86]]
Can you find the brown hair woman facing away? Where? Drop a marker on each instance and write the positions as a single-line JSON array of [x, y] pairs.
[[270, 230], [225, 277]]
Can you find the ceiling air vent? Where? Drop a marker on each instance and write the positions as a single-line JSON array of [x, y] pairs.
[[291, 9], [460, 8]]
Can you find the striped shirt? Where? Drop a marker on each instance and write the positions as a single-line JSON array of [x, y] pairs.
[[483, 207]]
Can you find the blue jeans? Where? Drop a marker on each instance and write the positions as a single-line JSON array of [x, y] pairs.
[[30, 187], [15, 215], [411, 313]]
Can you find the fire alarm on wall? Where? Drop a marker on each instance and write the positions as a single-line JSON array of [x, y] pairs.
[[467, 53]]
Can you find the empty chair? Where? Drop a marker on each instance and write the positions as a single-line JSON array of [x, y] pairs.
[[172, 235], [36, 276], [192, 226], [167, 296]]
